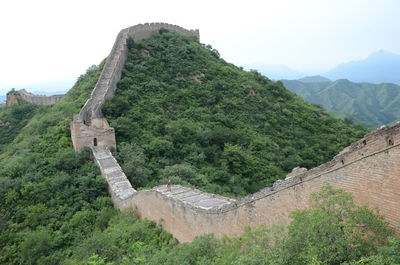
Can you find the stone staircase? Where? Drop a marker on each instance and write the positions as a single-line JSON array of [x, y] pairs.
[[118, 184], [122, 191]]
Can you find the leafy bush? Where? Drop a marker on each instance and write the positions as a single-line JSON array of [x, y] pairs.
[[237, 131]]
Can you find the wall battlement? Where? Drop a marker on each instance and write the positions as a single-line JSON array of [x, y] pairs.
[[368, 168], [12, 98], [111, 74], [84, 130]]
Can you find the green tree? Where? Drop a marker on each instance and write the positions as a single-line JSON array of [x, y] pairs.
[[334, 230]]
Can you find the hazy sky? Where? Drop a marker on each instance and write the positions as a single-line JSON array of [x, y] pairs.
[[56, 41]]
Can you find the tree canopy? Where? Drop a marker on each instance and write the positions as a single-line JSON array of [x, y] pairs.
[[182, 112]]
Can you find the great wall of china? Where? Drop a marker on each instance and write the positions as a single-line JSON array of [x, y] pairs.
[[368, 168], [13, 97]]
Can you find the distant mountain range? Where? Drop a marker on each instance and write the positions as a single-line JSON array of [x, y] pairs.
[[379, 67], [313, 79], [372, 104]]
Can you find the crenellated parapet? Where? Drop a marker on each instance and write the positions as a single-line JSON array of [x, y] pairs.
[[85, 131], [371, 172], [111, 74], [368, 168]]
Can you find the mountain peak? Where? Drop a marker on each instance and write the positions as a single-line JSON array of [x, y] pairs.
[[379, 67]]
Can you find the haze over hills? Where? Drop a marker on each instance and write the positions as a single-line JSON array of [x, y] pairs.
[[48, 88], [372, 104], [275, 72], [379, 67], [313, 79]]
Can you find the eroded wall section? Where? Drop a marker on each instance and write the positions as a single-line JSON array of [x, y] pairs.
[[12, 98]]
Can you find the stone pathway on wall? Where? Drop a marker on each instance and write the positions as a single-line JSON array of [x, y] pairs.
[[194, 198], [119, 186], [121, 189]]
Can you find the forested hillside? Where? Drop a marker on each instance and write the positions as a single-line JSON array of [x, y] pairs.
[[193, 118], [372, 104], [182, 113], [14, 118]]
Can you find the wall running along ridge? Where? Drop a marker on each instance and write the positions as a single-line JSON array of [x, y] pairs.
[[12, 98], [368, 168]]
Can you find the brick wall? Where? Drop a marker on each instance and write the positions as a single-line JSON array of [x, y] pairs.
[[371, 174], [107, 84], [369, 169], [111, 74], [32, 98]]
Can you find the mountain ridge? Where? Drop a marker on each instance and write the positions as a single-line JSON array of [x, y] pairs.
[[54, 204], [379, 67], [372, 104]]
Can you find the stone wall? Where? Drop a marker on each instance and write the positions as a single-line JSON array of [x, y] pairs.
[[368, 168], [111, 74], [118, 184], [82, 126], [371, 173], [12, 98], [99, 134]]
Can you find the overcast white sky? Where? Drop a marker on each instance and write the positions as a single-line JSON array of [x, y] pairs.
[[54, 42]]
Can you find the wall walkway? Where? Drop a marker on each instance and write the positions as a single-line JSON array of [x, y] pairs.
[[368, 168]]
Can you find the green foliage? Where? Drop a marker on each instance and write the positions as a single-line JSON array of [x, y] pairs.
[[201, 251], [50, 197], [334, 230], [387, 255], [14, 118], [371, 104], [133, 161], [206, 123], [126, 240], [180, 113]]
